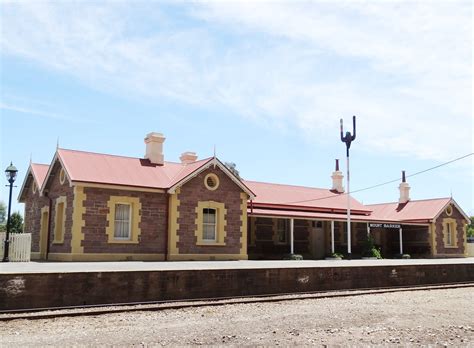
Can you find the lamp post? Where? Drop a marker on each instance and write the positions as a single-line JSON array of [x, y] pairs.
[[10, 173], [348, 139]]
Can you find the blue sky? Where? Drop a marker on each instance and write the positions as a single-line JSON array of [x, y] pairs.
[[264, 82]]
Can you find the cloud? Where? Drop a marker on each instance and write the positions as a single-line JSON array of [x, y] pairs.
[[403, 67]]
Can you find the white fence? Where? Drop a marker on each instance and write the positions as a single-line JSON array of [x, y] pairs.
[[20, 246]]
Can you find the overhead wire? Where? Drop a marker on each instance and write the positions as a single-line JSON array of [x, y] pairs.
[[384, 183]]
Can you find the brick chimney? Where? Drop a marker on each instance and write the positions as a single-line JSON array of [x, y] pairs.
[[404, 190], [154, 148], [188, 157], [337, 179]]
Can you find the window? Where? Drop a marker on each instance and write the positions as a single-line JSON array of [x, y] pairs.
[[449, 234], [60, 220], [283, 228], [124, 220], [211, 181], [62, 176], [209, 225], [449, 210], [122, 225]]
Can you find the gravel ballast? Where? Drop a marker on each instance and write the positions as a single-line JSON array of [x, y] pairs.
[[430, 317]]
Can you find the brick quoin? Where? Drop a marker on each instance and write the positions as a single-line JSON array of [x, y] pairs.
[[194, 191], [153, 223]]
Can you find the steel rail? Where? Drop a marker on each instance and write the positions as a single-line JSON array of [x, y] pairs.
[[113, 308]]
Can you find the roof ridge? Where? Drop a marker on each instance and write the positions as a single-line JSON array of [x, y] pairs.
[[414, 200], [279, 184], [121, 156], [40, 164]]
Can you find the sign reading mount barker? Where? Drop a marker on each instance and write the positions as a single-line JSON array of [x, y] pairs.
[[385, 225]]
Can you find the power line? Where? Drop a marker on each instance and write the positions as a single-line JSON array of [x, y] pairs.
[[384, 183]]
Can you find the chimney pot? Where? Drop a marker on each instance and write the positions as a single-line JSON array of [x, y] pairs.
[[154, 148], [188, 157]]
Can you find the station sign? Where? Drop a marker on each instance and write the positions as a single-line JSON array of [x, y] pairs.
[[373, 225]]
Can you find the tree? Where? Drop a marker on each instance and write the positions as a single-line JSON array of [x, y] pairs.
[[470, 228], [233, 168], [3, 212], [16, 223]]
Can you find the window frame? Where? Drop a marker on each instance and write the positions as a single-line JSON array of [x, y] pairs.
[[59, 239], [204, 223], [221, 223], [285, 229], [135, 219], [130, 218]]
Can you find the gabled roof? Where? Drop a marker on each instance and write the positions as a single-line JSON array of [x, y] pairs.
[[412, 211], [37, 172], [301, 197], [97, 168]]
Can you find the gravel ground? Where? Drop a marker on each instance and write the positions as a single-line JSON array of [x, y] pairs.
[[414, 318]]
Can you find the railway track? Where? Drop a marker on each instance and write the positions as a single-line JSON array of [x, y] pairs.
[[94, 310]]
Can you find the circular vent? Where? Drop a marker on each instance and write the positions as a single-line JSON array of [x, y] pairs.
[[449, 210], [211, 181]]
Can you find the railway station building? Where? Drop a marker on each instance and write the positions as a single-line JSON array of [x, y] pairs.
[[87, 206]]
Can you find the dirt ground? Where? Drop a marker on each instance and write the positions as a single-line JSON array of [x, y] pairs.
[[415, 318]]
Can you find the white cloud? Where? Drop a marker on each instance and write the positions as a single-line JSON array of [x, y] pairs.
[[404, 68]]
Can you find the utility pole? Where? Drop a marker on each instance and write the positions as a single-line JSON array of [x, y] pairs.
[[348, 139]]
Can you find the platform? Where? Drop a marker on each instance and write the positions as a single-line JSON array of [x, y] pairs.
[[131, 266], [52, 284]]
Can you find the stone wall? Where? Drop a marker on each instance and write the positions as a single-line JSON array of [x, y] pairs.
[[441, 249], [153, 225], [194, 191]]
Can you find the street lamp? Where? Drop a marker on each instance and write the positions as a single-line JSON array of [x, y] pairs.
[[348, 139], [10, 173]]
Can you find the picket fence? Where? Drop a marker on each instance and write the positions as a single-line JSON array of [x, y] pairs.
[[20, 246]]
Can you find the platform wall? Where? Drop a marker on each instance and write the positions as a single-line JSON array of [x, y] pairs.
[[71, 289]]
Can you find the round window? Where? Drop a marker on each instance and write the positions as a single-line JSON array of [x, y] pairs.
[[62, 176], [449, 210], [211, 181]]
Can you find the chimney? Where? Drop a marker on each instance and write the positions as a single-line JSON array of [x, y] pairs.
[[404, 190], [154, 148], [188, 157], [337, 178]]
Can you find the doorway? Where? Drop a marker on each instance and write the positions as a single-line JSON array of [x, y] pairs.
[[317, 240]]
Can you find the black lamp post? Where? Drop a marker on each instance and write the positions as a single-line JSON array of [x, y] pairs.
[[10, 172]]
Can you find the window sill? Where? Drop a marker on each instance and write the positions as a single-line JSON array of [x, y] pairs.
[[122, 241], [210, 244], [451, 246], [58, 241]]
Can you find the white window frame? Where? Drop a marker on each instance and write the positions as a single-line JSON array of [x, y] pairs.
[[204, 223], [449, 234], [130, 213]]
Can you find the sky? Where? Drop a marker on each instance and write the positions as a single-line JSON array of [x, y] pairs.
[[263, 83]]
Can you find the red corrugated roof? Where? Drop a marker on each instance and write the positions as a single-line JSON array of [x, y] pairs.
[[301, 196], [39, 172], [127, 171], [311, 215], [418, 210]]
